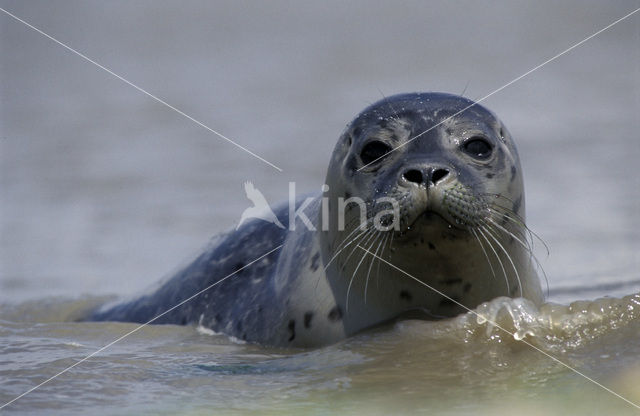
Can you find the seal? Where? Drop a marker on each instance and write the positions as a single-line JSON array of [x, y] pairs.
[[421, 216]]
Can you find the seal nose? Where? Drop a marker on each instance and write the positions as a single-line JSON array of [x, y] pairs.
[[413, 175], [425, 176], [438, 174]]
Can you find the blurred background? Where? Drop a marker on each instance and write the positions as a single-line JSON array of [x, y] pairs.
[[104, 190]]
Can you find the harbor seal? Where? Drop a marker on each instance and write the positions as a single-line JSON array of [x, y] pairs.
[[439, 181]]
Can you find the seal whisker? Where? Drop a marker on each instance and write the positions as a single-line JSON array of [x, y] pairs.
[[384, 246], [353, 275], [346, 242], [384, 98], [381, 238], [526, 246], [504, 272], [396, 116], [344, 246], [364, 239], [485, 253], [529, 249], [515, 269], [508, 215], [515, 218], [375, 240], [465, 88]]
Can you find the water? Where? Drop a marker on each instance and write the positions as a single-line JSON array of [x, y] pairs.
[[104, 191], [453, 367]]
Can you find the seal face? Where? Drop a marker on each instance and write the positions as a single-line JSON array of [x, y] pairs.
[[423, 212]]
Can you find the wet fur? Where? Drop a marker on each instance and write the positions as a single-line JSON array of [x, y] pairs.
[[464, 236]]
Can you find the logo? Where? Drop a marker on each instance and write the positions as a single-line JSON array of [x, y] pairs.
[[260, 208], [386, 210]]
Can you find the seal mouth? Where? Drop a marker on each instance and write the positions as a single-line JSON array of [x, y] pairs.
[[431, 215], [429, 218]]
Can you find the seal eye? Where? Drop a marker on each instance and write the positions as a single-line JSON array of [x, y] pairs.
[[478, 147], [373, 151]]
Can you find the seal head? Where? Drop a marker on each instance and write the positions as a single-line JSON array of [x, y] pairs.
[[453, 172]]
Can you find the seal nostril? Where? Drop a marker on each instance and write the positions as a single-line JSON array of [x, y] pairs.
[[438, 174], [413, 175]]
